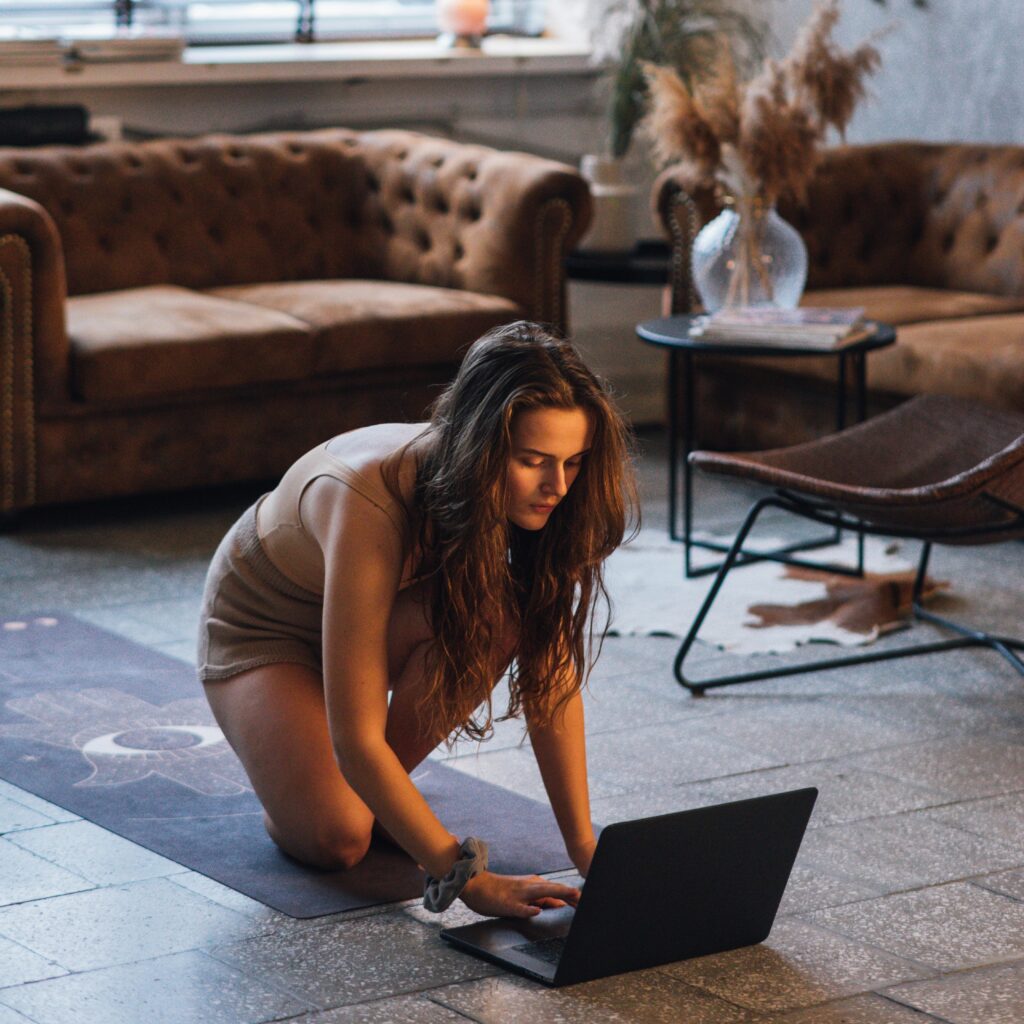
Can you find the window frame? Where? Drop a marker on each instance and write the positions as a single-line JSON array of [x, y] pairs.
[[304, 21]]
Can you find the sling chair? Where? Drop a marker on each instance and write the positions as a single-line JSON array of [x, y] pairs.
[[936, 469]]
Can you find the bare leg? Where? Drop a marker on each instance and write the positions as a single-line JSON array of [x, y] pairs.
[[405, 732], [275, 719]]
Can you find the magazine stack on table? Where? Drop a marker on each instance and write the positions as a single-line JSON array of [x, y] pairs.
[[19, 46], [822, 328]]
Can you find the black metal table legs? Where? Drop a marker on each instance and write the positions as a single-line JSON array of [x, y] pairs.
[[682, 414]]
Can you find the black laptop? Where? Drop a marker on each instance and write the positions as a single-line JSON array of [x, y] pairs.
[[659, 890]]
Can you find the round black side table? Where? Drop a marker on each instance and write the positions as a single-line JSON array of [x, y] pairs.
[[673, 333]]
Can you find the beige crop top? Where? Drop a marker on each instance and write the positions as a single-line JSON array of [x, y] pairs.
[[357, 466]]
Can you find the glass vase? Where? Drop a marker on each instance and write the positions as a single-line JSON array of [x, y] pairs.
[[749, 256]]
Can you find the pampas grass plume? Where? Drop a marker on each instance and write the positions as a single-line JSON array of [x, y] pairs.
[[761, 138], [827, 80], [675, 124], [778, 142], [718, 95]]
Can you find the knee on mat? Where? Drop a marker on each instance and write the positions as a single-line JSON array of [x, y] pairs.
[[339, 848], [334, 848]]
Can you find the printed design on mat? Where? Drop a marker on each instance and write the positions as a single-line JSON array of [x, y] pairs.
[[19, 625], [126, 739]]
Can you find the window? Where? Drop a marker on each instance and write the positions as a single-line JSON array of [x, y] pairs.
[[54, 17], [259, 21]]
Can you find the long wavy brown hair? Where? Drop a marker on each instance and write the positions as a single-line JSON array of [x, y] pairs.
[[489, 579]]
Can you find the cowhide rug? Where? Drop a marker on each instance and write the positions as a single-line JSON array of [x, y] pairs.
[[764, 607]]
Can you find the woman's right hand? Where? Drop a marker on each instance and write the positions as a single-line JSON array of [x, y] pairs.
[[516, 895]]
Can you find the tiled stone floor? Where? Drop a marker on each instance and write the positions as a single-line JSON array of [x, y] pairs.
[[906, 904]]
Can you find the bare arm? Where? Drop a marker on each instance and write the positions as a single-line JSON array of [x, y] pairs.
[[560, 749], [363, 556]]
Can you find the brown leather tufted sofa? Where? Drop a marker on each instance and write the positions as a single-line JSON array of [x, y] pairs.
[[188, 312], [928, 237]]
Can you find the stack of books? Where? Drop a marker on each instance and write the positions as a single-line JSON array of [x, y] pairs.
[[822, 328], [21, 46], [98, 43]]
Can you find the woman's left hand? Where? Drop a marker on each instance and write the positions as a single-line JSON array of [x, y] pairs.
[[581, 855]]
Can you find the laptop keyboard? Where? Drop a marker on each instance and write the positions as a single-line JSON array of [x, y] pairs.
[[548, 950]]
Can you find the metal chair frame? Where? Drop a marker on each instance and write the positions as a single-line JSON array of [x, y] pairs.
[[829, 515]]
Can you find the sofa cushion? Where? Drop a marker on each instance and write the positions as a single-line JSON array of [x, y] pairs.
[[980, 358], [158, 340], [371, 324], [947, 342], [973, 357], [905, 304]]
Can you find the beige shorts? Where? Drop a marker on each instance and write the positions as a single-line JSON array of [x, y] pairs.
[[252, 614]]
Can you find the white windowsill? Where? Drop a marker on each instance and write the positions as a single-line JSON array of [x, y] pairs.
[[296, 62]]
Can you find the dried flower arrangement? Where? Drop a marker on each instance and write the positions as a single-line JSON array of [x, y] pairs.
[[760, 138]]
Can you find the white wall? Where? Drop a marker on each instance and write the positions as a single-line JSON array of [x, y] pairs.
[[950, 72]]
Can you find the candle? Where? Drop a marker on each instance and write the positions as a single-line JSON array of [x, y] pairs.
[[462, 18]]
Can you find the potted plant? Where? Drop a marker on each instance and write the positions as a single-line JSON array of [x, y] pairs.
[[683, 34]]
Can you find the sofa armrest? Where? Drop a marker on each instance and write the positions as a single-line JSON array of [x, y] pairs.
[[682, 207], [479, 219], [534, 213], [33, 341]]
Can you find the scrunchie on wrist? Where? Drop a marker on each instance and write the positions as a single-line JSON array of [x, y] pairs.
[[440, 893]]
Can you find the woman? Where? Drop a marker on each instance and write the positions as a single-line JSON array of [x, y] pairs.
[[424, 560]]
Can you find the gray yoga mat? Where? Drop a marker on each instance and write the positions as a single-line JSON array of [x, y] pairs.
[[122, 735]]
